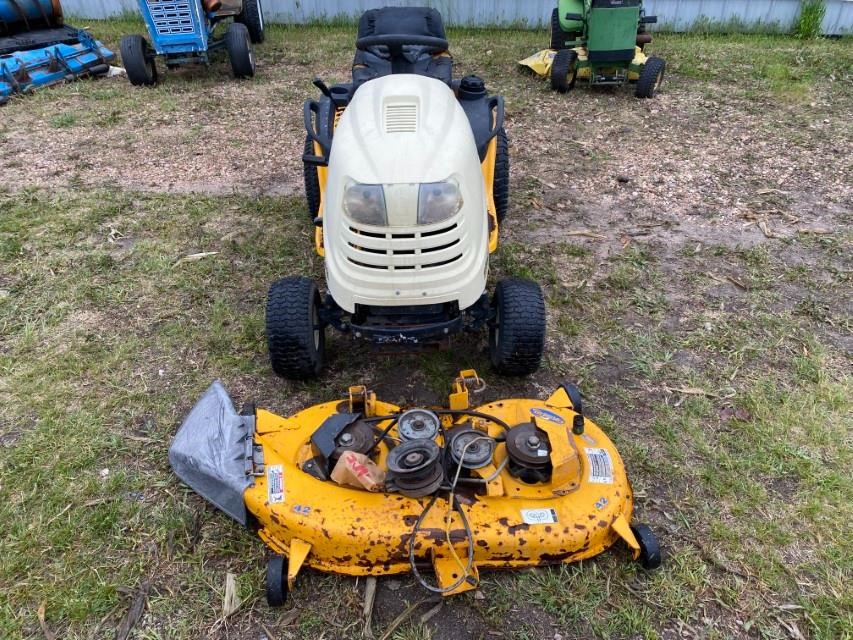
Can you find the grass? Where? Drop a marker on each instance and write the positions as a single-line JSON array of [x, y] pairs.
[[717, 365]]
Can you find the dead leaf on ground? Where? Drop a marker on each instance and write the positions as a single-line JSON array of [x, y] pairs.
[[585, 233], [765, 229], [193, 257], [728, 280], [134, 612], [48, 634], [231, 602]]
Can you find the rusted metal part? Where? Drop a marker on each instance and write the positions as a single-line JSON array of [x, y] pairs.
[[514, 524]]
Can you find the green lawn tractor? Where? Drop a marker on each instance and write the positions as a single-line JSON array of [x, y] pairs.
[[603, 41]]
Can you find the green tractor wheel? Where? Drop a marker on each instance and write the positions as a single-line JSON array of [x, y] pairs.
[[557, 37], [651, 78], [564, 70]]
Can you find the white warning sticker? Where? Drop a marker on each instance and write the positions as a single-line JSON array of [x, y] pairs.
[[539, 516], [600, 466], [275, 483]]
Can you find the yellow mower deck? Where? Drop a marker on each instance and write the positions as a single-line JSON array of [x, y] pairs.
[[584, 507]]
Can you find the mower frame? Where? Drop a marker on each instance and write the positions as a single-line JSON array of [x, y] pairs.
[[409, 284], [183, 32], [603, 41]]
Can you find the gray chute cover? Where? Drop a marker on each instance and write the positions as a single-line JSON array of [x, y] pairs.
[[212, 452]]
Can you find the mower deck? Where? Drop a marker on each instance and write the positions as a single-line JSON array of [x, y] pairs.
[[37, 49], [543, 485]]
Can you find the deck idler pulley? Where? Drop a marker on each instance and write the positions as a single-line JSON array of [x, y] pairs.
[[358, 437], [414, 468], [529, 453], [418, 424], [471, 449]]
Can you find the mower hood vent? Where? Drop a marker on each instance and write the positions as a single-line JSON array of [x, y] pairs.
[[401, 117]]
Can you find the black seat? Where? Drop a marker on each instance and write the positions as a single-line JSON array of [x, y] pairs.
[[376, 61]]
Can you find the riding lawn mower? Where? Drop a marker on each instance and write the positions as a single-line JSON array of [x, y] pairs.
[[407, 182], [362, 487], [184, 32], [603, 41]]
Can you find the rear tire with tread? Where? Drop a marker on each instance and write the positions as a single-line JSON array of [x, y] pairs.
[[651, 78], [558, 37], [239, 50], [500, 188], [296, 337], [517, 336], [138, 60], [252, 16], [312, 181]]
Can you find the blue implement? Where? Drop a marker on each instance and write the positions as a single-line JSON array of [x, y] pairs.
[[69, 59]]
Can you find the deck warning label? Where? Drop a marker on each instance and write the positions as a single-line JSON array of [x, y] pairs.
[[600, 466], [275, 483], [539, 516]]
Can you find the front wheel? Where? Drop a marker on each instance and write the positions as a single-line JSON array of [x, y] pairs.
[[252, 16], [239, 50], [650, 556], [276, 580], [651, 78], [138, 60], [517, 332], [564, 70], [296, 337]]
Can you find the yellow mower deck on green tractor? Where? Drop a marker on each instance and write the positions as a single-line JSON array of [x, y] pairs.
[[513, 483]]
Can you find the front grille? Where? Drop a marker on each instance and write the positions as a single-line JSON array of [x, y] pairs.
[[401, 118], [171, 17], [389, 251]]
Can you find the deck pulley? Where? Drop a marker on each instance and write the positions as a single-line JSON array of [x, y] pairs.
[[529, 453], [414, 468], [418, 424], [471, 449]]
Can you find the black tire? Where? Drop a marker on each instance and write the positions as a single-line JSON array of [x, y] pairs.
[[276, 580], [559, 38], [295, 336], [138, 60], [564, 70], [500, 188], [239, 50], [650, 556], [517, 334], [651, 78], [555, 35], [252, 16], [312, 181]]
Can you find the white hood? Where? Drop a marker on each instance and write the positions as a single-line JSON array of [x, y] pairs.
[[405, 130]]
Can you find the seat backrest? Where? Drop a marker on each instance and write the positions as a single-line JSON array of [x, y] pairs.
[[418, 21]]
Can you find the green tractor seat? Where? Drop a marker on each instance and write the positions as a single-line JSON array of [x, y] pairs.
[[379, 60]]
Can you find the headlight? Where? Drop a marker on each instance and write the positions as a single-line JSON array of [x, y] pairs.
[[438, 201], [365, 203]]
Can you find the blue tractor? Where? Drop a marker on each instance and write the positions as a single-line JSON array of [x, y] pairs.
[[184, 32]]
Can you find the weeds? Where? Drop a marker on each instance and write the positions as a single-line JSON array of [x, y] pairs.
[[808, 24]]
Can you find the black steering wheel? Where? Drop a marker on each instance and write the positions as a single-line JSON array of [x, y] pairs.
[[396, 41]]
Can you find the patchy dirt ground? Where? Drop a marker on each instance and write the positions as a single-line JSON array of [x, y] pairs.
[[695, 253]]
